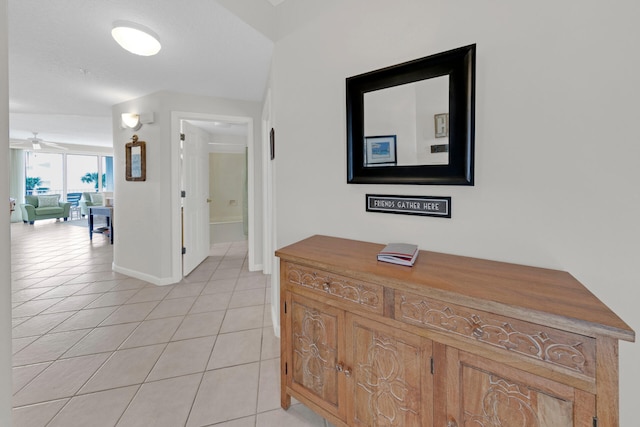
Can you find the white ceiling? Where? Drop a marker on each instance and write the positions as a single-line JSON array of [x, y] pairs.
[[65, 70]]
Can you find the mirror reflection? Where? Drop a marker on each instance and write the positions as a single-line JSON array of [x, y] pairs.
[[415, 116]]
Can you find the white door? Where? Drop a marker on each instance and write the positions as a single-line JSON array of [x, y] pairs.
[[195, 203]]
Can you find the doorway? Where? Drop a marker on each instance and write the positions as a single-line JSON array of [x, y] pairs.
[[216, 124], [228, 180]]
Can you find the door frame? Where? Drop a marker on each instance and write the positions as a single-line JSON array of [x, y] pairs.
[[268, 240], [176, 202], [270, 261]]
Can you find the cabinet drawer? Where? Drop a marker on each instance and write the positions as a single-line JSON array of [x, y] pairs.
[[365, 295], [571, 351]]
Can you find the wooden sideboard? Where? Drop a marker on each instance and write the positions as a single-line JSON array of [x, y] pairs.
[[452, 341]]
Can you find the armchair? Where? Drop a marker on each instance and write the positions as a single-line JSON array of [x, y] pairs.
[[45, 206], [89, 199]]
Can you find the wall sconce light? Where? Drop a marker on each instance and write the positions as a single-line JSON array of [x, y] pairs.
[[134, 121], [131, 121], [136, 38]]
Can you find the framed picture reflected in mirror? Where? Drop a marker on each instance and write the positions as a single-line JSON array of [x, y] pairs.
[[380, 150]]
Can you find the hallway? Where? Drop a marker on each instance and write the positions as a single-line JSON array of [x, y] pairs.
[[96, 348]]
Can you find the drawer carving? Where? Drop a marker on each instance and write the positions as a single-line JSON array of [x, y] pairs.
[[365, 294], [574, 352]]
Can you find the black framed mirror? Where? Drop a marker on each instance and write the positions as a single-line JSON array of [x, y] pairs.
[[413, 123]]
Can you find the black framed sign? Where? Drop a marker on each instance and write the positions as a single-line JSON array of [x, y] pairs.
[[272, 143], [410, 205]]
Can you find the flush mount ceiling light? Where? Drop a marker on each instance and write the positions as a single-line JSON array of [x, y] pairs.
[[136, 38]]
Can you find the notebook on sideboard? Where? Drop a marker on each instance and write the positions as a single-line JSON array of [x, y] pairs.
[[399, 253]]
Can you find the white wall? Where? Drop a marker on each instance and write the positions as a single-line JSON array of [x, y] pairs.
[[5, 246], [258, 13], [407, 111], [227, 181], [393, 112], [556, 137], [142, 210], [147, 233], [432, 97]]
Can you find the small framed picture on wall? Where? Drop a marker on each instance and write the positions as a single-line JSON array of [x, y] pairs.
[[136, 160]]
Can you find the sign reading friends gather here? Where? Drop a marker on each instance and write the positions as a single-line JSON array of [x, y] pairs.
[[410, 205]]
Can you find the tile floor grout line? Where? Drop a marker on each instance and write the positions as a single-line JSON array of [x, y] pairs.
[[74, 393], [208, 358], [259, 366], [163, 352], [230, 263], [57, 412], [58, 357], [123, 411], [32, 379], [141, 384], [193, 402]]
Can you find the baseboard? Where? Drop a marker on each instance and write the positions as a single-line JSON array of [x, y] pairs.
[[275, 320], [256, 267], [158, 281]]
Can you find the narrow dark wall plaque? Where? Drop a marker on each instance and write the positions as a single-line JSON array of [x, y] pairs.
[[410, 205], [272, 143]]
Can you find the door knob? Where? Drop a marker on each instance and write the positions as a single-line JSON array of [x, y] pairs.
[[208, 200]]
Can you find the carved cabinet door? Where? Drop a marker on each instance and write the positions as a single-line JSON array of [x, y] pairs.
[[389, 380], [315, 352], [484, 393]]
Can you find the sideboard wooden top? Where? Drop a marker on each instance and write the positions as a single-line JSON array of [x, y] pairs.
[[546, 296]]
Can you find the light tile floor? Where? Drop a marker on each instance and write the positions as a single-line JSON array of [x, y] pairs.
[[92, 347]]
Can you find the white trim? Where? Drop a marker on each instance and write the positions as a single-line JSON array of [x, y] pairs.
[[267, 199], [275, 318], [270, 261], [176, 202], [159, 281], [275, 297], [253, 266], [226, 221]]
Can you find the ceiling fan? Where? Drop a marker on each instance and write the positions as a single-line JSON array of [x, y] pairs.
[[37, 143]]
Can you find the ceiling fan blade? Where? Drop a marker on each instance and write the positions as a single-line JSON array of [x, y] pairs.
[[54, 145]]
